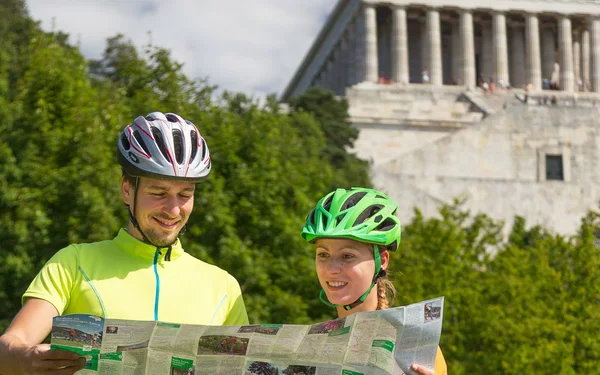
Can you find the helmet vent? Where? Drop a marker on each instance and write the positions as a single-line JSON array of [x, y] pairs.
[[178, 144], [138, 137], [393, 246], [324, 220], [171, 118], [388, 224], [380, 196], [194, 139], [204, 148], [367, 213], [340, 218], [160, 142], [378, 218], [327, 203], [311, 218], [352, 200], [125, 142], [150, 118]]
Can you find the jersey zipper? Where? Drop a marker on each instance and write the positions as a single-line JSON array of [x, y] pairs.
[[157, 292]]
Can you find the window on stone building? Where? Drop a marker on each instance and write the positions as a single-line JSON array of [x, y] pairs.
[[554, 167]]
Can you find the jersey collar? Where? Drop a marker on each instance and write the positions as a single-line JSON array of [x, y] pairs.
[[133, 246]]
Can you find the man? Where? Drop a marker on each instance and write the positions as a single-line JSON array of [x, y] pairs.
[[143, 273]]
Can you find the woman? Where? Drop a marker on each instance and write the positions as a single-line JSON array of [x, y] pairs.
[[354, 231]]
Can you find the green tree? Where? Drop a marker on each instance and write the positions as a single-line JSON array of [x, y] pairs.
[[447, 256], [332, 114], [59, 175], [253, 206]]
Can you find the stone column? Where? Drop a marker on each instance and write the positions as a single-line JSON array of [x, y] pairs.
[[595, 53], [517, 56], [435, 47], [500, 47], [566, 54], [355, 58], [534, 65], [326, 75], [487, 50], [336, 70], [576, 61], [399, 45], [424, 49], [360, 49], [548, 51], [468, 49], [344, 63], [320, 79], [350, 54], [372, 65], [585, 59], [456, 54]]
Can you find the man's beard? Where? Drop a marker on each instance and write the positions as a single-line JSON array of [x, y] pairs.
[[161, 241], [157, 238]]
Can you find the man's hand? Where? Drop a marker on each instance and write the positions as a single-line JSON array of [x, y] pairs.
[[42, 360], [20, 348]]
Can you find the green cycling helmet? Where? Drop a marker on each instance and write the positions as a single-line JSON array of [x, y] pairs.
[[360, 214]]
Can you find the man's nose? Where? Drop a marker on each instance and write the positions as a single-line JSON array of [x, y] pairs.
[[172, 207]]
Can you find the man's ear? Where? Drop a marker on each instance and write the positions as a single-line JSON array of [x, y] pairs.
[[127, 191]]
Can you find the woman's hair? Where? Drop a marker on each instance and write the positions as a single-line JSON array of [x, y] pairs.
[[386, 292]]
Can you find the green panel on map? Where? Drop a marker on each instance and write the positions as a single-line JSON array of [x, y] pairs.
[[182, 363], [386, 344], [348, 372], [341, 331], [117, 356]]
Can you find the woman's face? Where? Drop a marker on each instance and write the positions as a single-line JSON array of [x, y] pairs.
[[345, 268]]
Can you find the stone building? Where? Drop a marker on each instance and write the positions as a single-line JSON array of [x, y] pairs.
[[419, 79]]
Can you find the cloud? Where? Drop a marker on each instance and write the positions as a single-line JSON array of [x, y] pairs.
[[249, 46]]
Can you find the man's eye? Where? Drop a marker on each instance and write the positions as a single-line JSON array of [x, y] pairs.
[[348, 256], [185, 196], [322, 255], [157, 194]]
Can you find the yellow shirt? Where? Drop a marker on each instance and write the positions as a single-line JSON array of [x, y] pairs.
[[440, 363], [125, 278]]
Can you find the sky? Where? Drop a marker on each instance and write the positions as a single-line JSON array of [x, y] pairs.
[[250, 46]]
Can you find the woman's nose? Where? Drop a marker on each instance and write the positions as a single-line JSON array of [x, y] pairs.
[[334, 265]]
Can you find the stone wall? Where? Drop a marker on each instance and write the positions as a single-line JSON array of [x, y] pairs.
[[496, 166]]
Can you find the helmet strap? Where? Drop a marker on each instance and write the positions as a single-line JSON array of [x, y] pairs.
[[136, 225], [362, 298]]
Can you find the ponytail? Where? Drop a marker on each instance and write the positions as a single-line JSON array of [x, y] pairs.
[[386, 292]]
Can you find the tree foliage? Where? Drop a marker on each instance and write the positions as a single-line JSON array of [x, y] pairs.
[[527, 304], [332, 115], [533, 307]]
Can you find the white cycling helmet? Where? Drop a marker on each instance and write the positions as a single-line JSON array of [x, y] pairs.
[[165, 147]]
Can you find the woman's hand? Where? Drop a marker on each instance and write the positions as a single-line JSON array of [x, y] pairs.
[[421, 370]]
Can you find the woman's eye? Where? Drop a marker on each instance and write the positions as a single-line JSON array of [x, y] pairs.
[[322, 255], [348, 256]]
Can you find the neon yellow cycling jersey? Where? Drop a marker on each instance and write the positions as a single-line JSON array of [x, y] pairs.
[[125, 278]]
